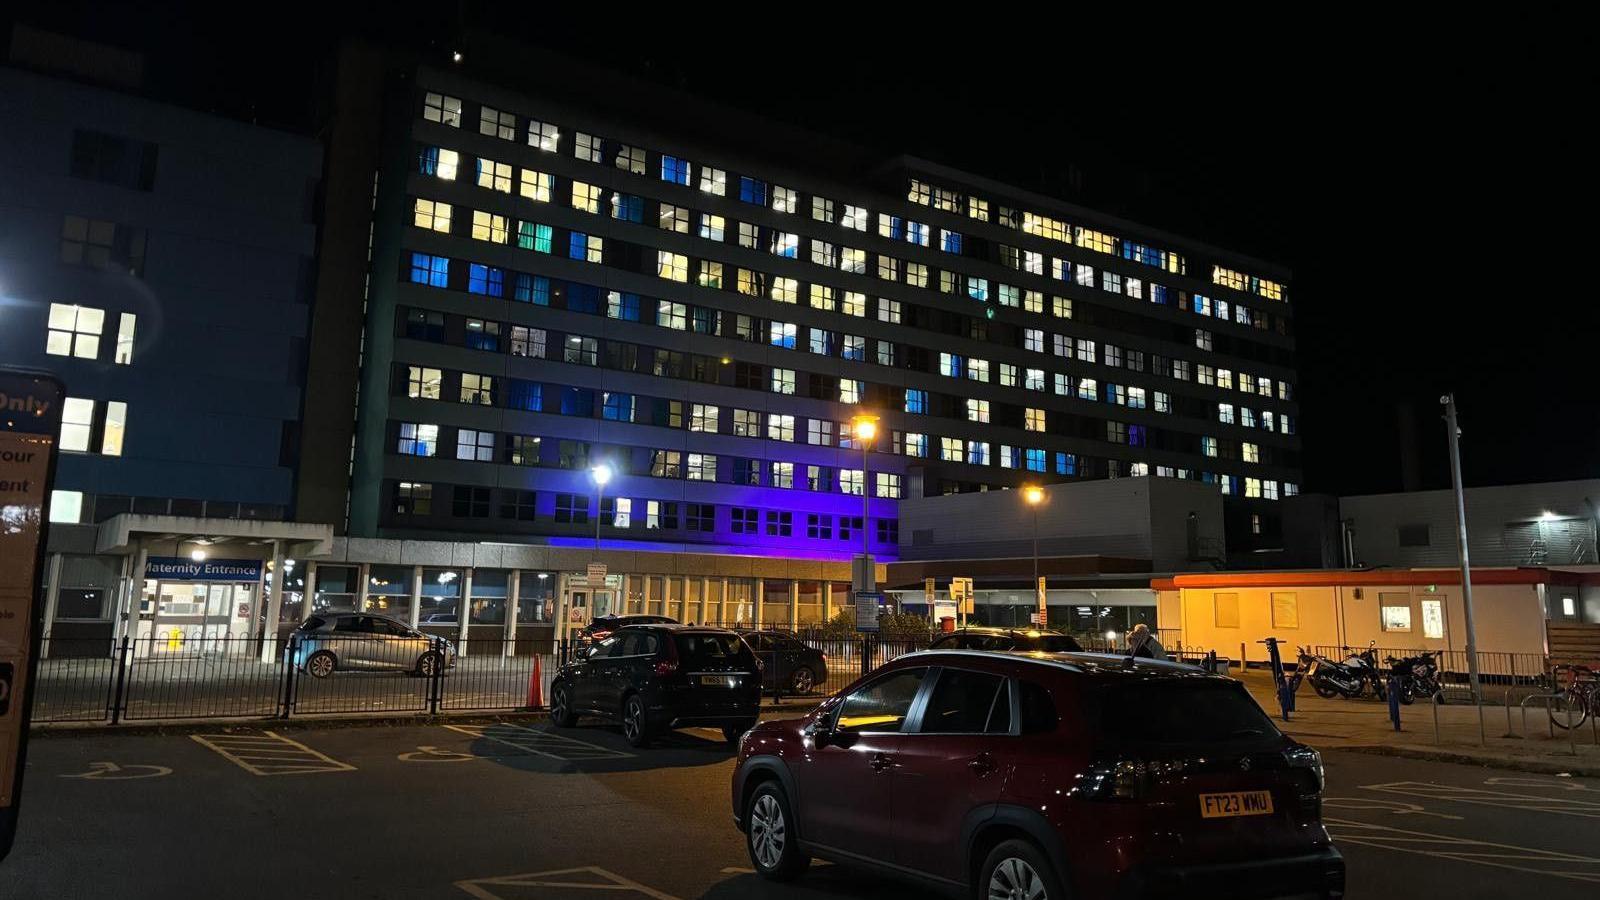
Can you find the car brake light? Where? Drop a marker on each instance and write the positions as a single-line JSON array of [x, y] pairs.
[[1308, 759], [599, 636], [666, 666], [1124, 779]]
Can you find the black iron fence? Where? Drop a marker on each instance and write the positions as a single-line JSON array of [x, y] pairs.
[[1506, 669]]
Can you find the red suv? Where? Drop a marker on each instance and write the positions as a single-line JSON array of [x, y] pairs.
[[1041, 776]]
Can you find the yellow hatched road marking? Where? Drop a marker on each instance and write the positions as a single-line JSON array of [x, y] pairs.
[[270, 753]]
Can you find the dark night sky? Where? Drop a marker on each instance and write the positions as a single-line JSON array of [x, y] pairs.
[[1422, 178]]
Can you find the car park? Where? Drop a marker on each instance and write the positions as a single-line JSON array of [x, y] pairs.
[[788, 664], [652, 678], [354, 642], [1041, 776], [990, 638]]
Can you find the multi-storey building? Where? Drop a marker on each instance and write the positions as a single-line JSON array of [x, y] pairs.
[[556, 284]]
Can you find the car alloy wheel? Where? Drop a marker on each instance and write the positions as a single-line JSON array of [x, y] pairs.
[[802, 680], [320, 665], [428, 664], [558, 706], [767, 831], [634, 726], [1015, 879]]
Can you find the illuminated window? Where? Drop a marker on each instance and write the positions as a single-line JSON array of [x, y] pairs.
[[1202, 339], [75, 331], [543, 135], [423, 383], [631, 159], [710, 274], [952, 450], [850, 390], [854, 217], [888, 310], [536, 185], [475, 446], [1094, 240], [977, 410], [752, 190], [490, 227], [496, 123], [672, 315], [477, 389], [672, 266], [850, 481], [494, 175], [785, 290], [713, 181], [978, 209], [586, 247], [432, 215], [854, 304], [125, 327], [66, 507], [711, 227], [1225, 413], [439, 162], [1208, 446], [674, 219], [1250, 452], [1088, 389], [822, 210], [1033, 419], [533, 236], [783, 381], [418, 440], [702, 467], [116, 426], [586, 147], [674, 170], [1395, 610], [784, 244], [441, 108], [780, 427], [784, 199]]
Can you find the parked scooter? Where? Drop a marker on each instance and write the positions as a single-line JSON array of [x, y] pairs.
[[1415, 676]]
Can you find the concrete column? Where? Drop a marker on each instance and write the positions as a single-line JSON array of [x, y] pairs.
[[758, 600], [125, 617], [461, 613], [645, 594], [513, 589], [309, 598], [364, 573], [722, 603], [52, 599], [827, 601], [794, 603], [706, 610], [269, 641], [416, 597]]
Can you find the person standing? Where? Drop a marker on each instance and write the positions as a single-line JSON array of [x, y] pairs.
[[1142, 643]]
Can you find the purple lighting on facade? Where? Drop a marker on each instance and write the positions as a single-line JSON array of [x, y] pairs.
[[784, 552]]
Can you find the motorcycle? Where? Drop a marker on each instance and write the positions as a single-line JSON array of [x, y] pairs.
[[1415, 676], [1328, 678], [1364, 665]]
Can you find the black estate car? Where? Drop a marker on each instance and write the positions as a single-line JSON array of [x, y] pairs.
[[788, 662], [657, 677]]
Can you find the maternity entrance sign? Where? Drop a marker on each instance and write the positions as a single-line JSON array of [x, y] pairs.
[[30, 419]]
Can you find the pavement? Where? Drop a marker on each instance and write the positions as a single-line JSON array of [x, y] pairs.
[[1526, 742], [517, 811]]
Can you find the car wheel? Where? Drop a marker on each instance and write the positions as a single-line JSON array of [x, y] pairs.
[[321, 664], [802, 680], [428, 664], [1016, 870], [561, 714], [635, 726], [769, 835]]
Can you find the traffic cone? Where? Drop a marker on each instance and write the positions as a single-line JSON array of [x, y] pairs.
[[536, 685]]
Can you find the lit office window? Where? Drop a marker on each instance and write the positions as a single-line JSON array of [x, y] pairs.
[[432, 215], [850, 481], [477, 389], [753, 190], [496, 176], [780, 427], [822, 210], [116, 427], [496, 123], [1251, 453], [784, 199], [66, 507], [585, 247], [952, 450], [585, 197], [631, 159], [978, 209], [888, 485], [75, 331], [702, 467], [543, 135], [854, 217], [854, 304], [442, 108], [672, 266], [850, 390], [125, 327], [438, 162], [1033, 419], [713, 181], [978, 453], [783, 381], [977, 410], [77, 420], [785, 245], [586, 147], [475, 446], [711, 227], [490, 227], [423, 383], [672, 315], [536, 185], [785, 290], [674, 219], [888, 310], [703, 417], [674, 169]]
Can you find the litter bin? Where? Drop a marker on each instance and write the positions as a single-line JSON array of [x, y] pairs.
[[947, 624]]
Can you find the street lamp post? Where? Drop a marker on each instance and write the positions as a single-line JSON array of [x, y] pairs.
[[602, 476], [865, 427], [1033, 495]]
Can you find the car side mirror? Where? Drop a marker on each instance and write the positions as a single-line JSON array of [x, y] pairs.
[[582, 652], [820, 731]]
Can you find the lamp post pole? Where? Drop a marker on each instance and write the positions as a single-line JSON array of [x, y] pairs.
[[1449, 403], [865, 493], [865, 427], [1033, 495]]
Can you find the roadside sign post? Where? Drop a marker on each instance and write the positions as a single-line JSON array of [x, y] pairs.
[[1042, 598], [869, 605], [961, 596], [30, 419]]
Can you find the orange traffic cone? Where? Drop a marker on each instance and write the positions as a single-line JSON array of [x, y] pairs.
[[536, 685]]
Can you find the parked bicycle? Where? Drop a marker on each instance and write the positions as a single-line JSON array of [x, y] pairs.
[[1578, 699]]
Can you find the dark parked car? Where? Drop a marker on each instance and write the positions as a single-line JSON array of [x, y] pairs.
[[602, 627], [656, 677], [982, 638], [787, 661], [342, 642], [1007, 775]]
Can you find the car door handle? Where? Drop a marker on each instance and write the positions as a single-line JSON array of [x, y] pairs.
[[880, 762], [983, 764]]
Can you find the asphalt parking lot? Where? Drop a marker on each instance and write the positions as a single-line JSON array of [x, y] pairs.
[[516, 810]]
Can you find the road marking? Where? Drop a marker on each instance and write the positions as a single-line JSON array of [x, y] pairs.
[[1565, 806], [1522, 781], [540, 743], [430, 753], [270, 753], [1501, 856], [1398, 807], [558, 883], [110, 771]]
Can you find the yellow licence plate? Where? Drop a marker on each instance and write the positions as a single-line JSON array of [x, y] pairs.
[[1235, 803]]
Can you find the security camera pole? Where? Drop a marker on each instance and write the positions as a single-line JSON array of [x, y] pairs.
[[1449, 402]]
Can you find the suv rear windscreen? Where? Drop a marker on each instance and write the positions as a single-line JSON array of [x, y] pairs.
[[1050, 643], [1174, 711], [719, 651], [313, 623]]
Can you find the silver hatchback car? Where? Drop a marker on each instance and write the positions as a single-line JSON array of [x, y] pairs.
[[335, 642]]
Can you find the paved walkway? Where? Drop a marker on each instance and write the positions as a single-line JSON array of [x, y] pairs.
[[1364, 725]]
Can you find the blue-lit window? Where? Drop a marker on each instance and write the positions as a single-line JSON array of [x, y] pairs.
[[577, 402], [783, 335], [674, 170], [752, 191], [521, 394], [532, 289], [891, 226], [1035, 459], [951, 242], [1158, 294], [618, 407], [1066, 463], [917, 233], [703, 320], [1136, 435], [533, 236], [627, 207], [428, 161], [430, 270], [578, 246], [916, 401], [978, 289], [488, 280], [622, 306]]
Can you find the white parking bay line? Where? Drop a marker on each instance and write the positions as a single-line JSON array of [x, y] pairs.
[[1566, 806], [586, 881], [270, 753], [540, 743], [1501, 856]]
